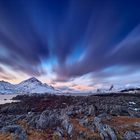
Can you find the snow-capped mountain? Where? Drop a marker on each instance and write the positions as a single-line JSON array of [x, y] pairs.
[[31, 85], [119, 88]]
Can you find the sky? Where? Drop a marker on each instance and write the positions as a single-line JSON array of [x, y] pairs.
[[82, 44]]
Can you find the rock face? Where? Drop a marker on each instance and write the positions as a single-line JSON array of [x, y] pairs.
[[49, 119], [106, 132]]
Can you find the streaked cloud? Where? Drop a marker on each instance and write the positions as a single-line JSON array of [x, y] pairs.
[[69, 41]]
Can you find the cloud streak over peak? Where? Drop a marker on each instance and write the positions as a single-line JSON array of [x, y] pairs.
[[70, 39]]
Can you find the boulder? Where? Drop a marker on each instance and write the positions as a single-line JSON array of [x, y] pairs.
[[49, 119]]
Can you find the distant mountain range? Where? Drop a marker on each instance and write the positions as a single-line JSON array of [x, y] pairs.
[[31, 85]]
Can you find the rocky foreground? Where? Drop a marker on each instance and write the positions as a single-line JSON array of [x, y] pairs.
[[51, 117]]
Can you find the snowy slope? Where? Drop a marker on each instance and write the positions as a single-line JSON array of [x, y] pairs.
[[31, 85], [6, 87]]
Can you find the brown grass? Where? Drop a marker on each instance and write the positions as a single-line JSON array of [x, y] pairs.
[[78, 127], [6, 136], [121, 120]]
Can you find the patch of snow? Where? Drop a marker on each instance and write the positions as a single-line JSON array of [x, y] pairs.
[[132, 103]]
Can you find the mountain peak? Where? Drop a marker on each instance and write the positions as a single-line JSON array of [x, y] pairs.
[[32, 80]]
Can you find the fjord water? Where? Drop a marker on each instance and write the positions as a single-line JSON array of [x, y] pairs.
[[6, 98]]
